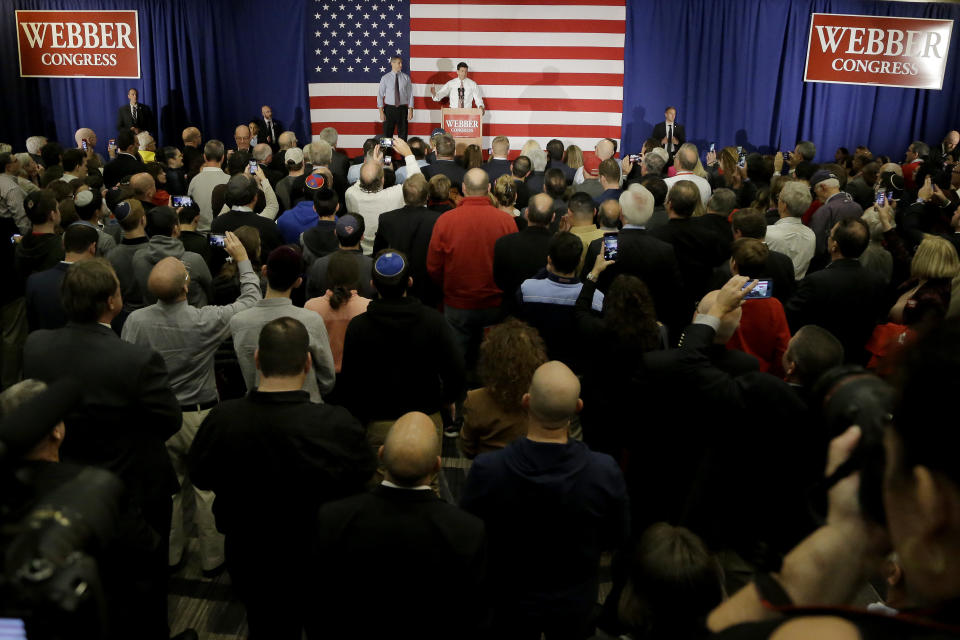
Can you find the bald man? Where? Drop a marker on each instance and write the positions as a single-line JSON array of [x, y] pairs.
[[946, 151], [551, 506], [604, 150], [405, 535], [460, 261], [192, 151], [270, 128], [368, 198]]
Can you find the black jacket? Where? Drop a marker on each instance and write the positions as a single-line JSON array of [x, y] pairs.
[[496, 167], [409, 230], [120, 167], [449, 168], [698, 250], [720, 227], [232, 220], [652, 260], [272, 459], [425, 370], [516, 257], [265, 137], [143, 122], [396, 532], [845, 299], [127, 414], [44, 310], [660, 132], [320, 240], [37, 252]]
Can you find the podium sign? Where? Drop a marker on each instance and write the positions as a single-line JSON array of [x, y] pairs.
[[464, 125]]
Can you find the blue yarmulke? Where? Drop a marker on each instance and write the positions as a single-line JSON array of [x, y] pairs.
[[389, 264]]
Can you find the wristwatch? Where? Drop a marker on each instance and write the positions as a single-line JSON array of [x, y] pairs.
[[591, 277]]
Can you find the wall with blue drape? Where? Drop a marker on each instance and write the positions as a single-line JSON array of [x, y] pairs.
[[734, 69], [206, 63]]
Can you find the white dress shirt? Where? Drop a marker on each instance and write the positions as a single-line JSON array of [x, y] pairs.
[[371, 205], [471, 93], [702, 184], [791, 237]]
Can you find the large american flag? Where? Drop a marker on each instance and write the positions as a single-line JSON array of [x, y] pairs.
[[546, 70]]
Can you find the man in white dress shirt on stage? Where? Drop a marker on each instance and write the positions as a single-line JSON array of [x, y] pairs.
[[464, 93]]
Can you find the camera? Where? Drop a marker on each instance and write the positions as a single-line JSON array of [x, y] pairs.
[[610, 242], [851, 395]]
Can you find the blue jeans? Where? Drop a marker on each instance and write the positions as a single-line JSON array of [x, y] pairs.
[[468, 326]]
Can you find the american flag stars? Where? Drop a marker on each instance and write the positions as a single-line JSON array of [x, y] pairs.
[[363, 25]]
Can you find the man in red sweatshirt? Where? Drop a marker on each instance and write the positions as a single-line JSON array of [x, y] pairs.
[[460, 261]]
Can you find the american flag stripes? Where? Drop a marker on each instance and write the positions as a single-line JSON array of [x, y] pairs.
[[545, 69]]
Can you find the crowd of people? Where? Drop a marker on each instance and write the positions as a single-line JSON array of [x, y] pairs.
[[637, 351]]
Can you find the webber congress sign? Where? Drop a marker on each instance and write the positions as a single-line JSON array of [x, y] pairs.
[[78, 44], [883, 51]]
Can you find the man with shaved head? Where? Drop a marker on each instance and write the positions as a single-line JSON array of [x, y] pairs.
[[404, 533], [192, 151], [551, 506], [460, 261], [367, 197], [272, 458], [188, 337]]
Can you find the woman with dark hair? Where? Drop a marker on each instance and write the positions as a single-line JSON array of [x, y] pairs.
[[493, 416], [340, 303], [171, 159], [162, 196], [472, 157], [671, 583]]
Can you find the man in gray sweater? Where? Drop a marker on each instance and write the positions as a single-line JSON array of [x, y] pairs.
[[187, 338], [283, 269]]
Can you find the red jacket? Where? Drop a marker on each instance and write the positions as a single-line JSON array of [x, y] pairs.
[[764, 333], [460, 258]]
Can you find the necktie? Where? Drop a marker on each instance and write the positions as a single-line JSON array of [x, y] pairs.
[[670, 137], [461, 94], [269, 130], [396, 88], [133, 110]]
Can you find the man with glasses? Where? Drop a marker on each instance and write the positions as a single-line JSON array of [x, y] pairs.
[[187, 338]]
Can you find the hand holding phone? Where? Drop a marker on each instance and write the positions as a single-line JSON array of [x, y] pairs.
[[881, 198], [253, 167]]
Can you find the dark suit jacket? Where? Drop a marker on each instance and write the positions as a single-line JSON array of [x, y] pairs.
[[126, 416], [121, 166], [496, 167], [44, 310], [144, 121], [409, 230], [654, 261], [396, 532], [779, 269], [270, 237], [273, 177], [523, 193], [262, 136], [698, 249], [720, 227], [535, 182], [845, 299], [568, 172], [516, 257], [660, 132], [449, 168]]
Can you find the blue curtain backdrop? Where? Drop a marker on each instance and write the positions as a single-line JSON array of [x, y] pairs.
[[734, 70], [206, 63]]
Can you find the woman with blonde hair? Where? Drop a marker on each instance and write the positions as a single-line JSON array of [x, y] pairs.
[[925, 297], [574, 156], [505, 194]]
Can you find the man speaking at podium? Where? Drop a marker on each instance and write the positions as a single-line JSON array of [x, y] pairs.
[[463, 91]]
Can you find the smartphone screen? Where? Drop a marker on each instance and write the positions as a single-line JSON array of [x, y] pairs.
[[634, 158], [386, 143], [112, 143], [84, 143], [15, 238], [387, 161], [182, 201], [713, 146], [217, 240], [764, 289], [12, 629], [253, 167], [881, 198], [610, 246]]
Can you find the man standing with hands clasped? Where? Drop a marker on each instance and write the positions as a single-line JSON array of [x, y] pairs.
[[670, 134], [395, 100], [463, 91]]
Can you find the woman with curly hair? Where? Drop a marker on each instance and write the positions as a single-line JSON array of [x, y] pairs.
[[493, 415]]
